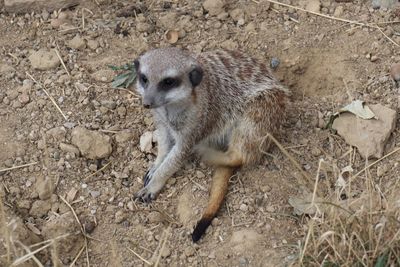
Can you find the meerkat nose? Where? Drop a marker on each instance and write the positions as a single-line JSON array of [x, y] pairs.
[[146, 106]]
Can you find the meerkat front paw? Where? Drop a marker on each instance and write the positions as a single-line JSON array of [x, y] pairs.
[[145, 195]]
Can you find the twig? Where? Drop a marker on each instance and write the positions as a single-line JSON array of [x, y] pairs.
[[387, 37], [162, 247], [77, 256], [99, 170], [140, 257], [18, 167], [48, 95], [28, 256], [62, 61], [323, 15], [373, 163]]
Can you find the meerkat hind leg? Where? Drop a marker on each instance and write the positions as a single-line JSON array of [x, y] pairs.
[[226, 164], [230, 158]]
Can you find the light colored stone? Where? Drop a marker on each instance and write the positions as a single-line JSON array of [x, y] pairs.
[[44, 59], [45, 188], [313, 5], [214, 7], [28, 6], [104, 76], [120, 216], [369, 136], [40, 208], [77, 43], [91, 144], [244, 239], [69, 148], [124, 136], [92, 44]]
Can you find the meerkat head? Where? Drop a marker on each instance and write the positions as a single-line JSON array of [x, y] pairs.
[[167, 76]]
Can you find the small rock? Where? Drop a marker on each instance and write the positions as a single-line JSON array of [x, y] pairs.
[[243, 207], [313, 5], [56, 23], [383, 3], [131, 205], [381, 170], [92, 44], [124, 136], [274, 63], [104, 76], [60, 225], [91, 144], [89, 227], [120, 216], [40, 208], [45, 188], [146, 142], [369, 136], [395, 73], [214, 7], [155, 217], [200, 174], [28, 6], [374, 58], [94, 194], [189, 251], [69, 149], [109, 104], [338, 11], [77, 43], [237, 14], [165, 252], [23, 99], [44, 59]]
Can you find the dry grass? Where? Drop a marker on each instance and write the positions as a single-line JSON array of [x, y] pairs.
[[361, 230]]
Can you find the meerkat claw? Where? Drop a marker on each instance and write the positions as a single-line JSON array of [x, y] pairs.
[[145, 196], [146, 178]]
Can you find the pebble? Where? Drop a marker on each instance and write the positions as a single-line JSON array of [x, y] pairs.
[[91, 144], [123, 136], [77, 43], [338, 11], [94, 194], [275, 63], [45, 188], [155, 217], [104, 76], [120, 216], [166, 252], [313, 5], [69, 149], [200, 174], [395, 73], [92, 44], [40, 208], [243, 207], [214, 7], [44, 59]]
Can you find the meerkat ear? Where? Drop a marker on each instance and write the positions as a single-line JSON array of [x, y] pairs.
[[196, 75], [136, 63]]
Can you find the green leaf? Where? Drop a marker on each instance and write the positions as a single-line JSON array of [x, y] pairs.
[[131, 79], [382, 260], [120, 80]]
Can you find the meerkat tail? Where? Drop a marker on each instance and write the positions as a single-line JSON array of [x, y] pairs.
[[218, 191]]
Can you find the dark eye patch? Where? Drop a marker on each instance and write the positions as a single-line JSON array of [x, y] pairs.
[[169, 83], [143, 80]]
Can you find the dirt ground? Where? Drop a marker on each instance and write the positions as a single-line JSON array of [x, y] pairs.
[[326, 64]]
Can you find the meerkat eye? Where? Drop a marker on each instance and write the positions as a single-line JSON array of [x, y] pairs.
[[169, 83], [143, 79]]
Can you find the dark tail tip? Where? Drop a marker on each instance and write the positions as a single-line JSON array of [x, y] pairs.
[[200, 229]]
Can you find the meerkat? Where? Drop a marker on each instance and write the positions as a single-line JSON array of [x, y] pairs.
[[221, 105]]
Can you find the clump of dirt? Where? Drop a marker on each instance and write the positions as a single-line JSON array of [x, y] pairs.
[[325, 62]]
